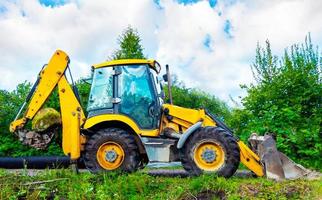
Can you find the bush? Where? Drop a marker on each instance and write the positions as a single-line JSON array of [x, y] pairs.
[[286, 101], [10, 103]]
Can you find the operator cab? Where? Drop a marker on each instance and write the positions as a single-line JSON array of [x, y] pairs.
[[127, 87]]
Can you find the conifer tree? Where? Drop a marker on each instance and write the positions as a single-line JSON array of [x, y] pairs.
[[130, 45]]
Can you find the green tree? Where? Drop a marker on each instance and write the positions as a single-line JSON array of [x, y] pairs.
[[286, 101], [196, 98], [265, 66], [10, 103], [130, 45]]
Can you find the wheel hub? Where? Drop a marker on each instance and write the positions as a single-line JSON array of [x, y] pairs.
[[208, 155], [111, 156]]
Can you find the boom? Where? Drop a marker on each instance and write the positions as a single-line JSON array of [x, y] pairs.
[[51, 76]]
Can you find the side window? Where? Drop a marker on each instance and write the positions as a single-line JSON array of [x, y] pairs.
[[102, 89], [136, 92]]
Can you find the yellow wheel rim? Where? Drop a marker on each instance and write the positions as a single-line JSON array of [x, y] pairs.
[[110, 155], [209, 156]]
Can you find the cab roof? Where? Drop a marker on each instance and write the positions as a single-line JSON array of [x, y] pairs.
[[152, 63]]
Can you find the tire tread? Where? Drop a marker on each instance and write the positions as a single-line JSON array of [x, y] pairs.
[[224, 138], [131, 160]]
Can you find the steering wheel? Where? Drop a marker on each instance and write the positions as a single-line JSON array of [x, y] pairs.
[[151, 109]]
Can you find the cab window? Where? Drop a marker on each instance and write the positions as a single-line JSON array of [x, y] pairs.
[[137, 95], [101, 95]]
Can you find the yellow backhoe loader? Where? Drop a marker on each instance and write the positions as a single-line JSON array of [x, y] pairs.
[[128, 124]]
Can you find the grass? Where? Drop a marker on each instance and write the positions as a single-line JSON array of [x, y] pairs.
[[64, 184]]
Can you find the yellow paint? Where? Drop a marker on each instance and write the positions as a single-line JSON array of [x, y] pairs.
[[152, 63], [121, 118], [19, 123], [71, 111], [110, 147], [82, 142], [189, 115], [185, 117], [72, 119], [208, 121], [50, 76], [210, 165], [250, 159]]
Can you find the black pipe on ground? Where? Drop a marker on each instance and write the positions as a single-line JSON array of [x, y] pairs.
[[36, 162]]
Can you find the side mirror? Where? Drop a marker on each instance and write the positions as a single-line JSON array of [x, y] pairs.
[[165, 77], [157, 66]]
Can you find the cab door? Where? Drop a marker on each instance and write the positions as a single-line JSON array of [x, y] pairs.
[[138, 97]]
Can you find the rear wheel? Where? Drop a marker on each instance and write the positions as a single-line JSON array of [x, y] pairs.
[[111, 149], [211, 149]]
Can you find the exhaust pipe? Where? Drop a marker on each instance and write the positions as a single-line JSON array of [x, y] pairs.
[[169, 84], [36, 162]]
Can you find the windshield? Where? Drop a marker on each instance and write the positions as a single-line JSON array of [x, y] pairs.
[[137, 86], [101, 95], [138, 96]]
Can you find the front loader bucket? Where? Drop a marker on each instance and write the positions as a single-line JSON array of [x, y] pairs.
[[276, 164], [291, 169]]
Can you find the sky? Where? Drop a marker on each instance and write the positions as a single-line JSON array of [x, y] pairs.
[[208, 44]]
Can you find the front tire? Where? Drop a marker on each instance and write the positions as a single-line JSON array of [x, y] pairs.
[[211, 149], [111, 149]]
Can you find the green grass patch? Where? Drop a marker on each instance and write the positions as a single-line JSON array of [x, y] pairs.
[[64, 184]]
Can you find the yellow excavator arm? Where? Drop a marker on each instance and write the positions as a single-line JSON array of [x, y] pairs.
[[51, 76]]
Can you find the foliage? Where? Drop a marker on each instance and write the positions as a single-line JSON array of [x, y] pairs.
[[195, 98], [286, 101], [82, 91], [10, 103], [45, 118], [64, 184], [265, 67], [130, 46]]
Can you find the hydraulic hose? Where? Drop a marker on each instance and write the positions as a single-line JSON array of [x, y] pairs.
[[36, 162]]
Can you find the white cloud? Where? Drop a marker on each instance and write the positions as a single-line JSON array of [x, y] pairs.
[[87, 31], [221, 71]]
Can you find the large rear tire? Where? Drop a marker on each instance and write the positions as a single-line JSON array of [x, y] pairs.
[[111, 149], [211, 149]]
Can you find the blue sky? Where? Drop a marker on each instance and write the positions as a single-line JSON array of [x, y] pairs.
[[53, 3], [208, 44], [212, 3]]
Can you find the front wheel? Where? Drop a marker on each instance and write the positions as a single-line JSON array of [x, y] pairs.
[[111, 149], [211, 149]]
